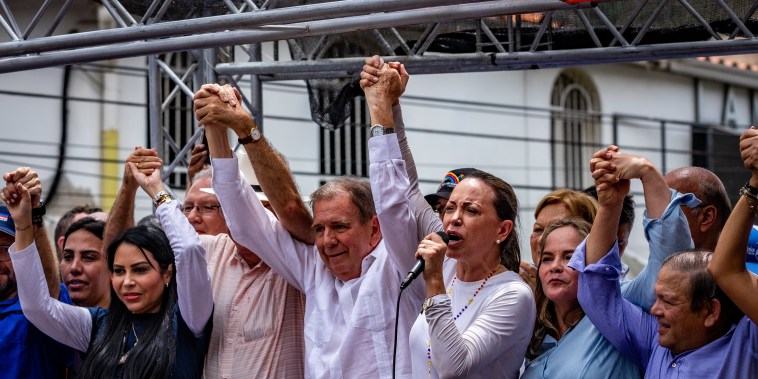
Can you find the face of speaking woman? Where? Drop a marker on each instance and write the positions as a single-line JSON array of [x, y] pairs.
[[476, 228]]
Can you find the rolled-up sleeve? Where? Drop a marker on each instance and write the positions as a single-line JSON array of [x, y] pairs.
[[666, 236], [625, 325]]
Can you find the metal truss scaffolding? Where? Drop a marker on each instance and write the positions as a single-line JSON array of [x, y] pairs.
[[429, 36]]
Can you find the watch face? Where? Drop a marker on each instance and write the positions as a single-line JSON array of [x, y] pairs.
[[377, 130], [256, 134]]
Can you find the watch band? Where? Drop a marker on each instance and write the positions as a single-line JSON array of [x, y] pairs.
[[161, 197], [38, 213], [254, 135]]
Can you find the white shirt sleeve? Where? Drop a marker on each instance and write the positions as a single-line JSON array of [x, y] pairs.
[[257, 229], [193, 284], [427, 221], [65, 323]]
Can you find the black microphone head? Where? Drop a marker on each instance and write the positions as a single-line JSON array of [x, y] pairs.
[[444, 236]]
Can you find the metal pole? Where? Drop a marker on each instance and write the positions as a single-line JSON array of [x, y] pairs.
[[341, 25], [497, 61], [256, 89], [246, 20], [154, 125]]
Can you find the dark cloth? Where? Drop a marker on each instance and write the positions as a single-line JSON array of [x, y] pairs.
[[190, 350]]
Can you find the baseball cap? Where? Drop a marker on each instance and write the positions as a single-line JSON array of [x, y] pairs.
[[6, 222], [752, 247], [451, 179]]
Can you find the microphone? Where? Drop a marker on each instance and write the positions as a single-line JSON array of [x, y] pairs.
[[418, 268]]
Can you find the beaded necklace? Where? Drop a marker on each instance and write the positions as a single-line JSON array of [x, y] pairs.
[[470, 300]]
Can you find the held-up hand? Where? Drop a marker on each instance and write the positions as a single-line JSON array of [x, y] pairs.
[[29, 179], [631, 166], [19, 202], [372, 70], [212, 111], [749, 149], [146, 161], [150, 183], [433, 250], [611, 189], [226, 93], [385, 84]]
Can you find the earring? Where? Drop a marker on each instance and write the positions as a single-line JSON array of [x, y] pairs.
[[497, 242], [166, 285]]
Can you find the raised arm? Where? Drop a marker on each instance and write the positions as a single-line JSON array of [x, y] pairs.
[[193, 282], [65, 323], [727, 264], [250, 224], [29, 179], [610, 191], [274, 176], [664, 223], [122, 213], [427, 220], [626, 326]]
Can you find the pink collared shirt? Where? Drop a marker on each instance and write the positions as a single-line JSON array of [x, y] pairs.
[[257, 318]]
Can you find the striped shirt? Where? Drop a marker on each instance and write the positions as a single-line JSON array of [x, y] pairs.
[[257, 318]]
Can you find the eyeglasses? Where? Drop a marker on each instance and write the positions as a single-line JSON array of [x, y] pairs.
[[202, 209], [4, 255]]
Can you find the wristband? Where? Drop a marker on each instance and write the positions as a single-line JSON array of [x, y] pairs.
[[38, 213]]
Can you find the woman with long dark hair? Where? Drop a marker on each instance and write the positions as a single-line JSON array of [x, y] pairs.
[[157, 324]]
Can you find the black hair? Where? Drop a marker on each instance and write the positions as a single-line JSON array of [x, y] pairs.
[[66, 220], [154, 356], [96, 227]]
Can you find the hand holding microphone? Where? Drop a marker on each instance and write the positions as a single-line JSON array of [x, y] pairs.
[[432, 251]]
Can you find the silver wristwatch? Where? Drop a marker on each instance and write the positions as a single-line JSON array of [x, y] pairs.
[[380, 130]]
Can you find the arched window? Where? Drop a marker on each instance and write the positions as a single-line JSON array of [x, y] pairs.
[[575, 128]]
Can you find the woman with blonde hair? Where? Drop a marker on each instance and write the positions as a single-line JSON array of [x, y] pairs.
[[565, 343]]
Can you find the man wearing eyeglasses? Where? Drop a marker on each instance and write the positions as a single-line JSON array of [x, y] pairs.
[[257, 315]]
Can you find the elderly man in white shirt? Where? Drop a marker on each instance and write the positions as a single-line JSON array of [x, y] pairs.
[[351, 279]]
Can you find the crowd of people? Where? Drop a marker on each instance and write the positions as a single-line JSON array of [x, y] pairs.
[[242, 279]]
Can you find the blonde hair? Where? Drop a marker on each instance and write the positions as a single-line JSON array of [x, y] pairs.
[[579, 204]]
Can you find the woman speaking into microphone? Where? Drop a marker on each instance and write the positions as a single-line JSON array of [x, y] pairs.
[[479, 313]]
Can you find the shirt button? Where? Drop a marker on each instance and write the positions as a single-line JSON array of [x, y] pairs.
[[229, 340], [607, 269], [225, 376], [236, 308], [673, 364]]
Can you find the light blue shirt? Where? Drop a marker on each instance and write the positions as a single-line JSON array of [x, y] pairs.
[[583, 352]]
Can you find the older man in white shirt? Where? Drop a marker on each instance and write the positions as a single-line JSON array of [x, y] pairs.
[[337, 258]]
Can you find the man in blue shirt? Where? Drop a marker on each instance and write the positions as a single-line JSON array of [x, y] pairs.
[[693, 331], [25, 352]]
